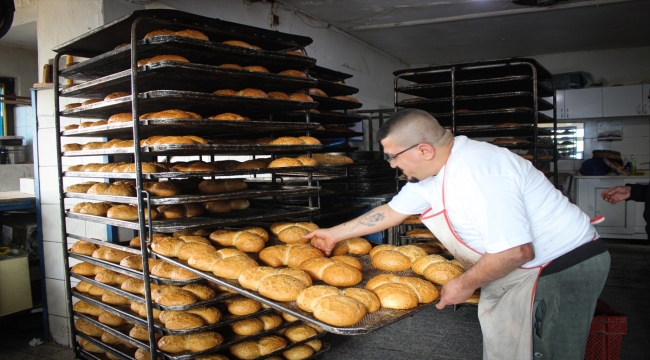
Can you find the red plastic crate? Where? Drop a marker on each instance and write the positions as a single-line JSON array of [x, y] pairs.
[[606, 333]]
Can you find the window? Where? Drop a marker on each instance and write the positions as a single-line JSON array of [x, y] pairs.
[[570, 139]]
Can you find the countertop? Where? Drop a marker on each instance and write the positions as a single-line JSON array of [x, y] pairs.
[[15, 200]]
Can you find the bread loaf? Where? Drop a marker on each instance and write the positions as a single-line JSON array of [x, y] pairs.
[[179, 320], [256, 68], [159, 32], [219, 186], [80, 188], [135, 242], [170, 114], [254, 164], [248, 326], [141, 310], [84, 248], [172, 296], [255, 93], [395, 258], [297, 161], [317, 92], [90, 347], [195, 342], [86, 269], [135, 262], [242, 306], [252, 349], [161, 188], [327, 159], [295, 73], [424, 233], [248, 239], [168, 271], [404, 292], [110, 319], [130, 213], [90, 208], [429, 247], [71, 106], [88, 328], [413, 219], [227, 116], [71, 127], [85, 308], [291, 233], [72, 147], [337, 270], [120, 117], [278, 95], [300, 97], [195, 166], [276, 284], [346, 98], [111, 277], [114, 299], [223, 206], [110, 254], [180, 211], [291, 255], [330, 306], [158, 58], [437, 269], [225, 263], [194, 233], [239, 43], [356, 246]]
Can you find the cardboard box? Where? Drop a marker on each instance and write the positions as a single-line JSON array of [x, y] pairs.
[[27, 185]]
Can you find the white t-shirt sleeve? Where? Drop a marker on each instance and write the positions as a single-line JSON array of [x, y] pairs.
[[409, 201], [499, 213]]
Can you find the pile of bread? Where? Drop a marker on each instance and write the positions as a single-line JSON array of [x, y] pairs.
[[260, 94]]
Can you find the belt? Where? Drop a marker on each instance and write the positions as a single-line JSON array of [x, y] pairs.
[[574, 257]]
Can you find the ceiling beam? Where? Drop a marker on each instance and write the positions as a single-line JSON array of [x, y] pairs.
[[527, 10]]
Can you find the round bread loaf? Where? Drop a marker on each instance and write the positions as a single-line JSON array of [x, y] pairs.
[[253, 349], [405, 292], [167, 58], [317, 92], [247, 327], [329, 306], [227, 116], [243, 306], [192, 34], [437, 269], [395, 258], [423, 233], [333, 271], [309, 140], [91, 101], [248, 239], [255, 93], [413, 219], [256, 68], [300, 332], [116, 95], [292, 232], [159, 33], [295, 73], [300, 97], [161, 188], [276, 284], [84, 248], [121, 117], [356, 246], [291, 255], [278, 95]]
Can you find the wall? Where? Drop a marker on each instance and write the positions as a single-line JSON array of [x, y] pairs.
[[613, 67], [20, 64]]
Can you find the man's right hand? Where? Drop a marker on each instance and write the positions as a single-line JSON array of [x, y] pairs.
[[322, 239], [616, 194]]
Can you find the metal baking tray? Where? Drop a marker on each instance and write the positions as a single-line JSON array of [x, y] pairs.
[[328, 103], [370, 323], [119, 350], [332, 88], [524, 145], [200, 149], [476, 70], [479, 102], [140, 298], [254, 190], [121, 332], [131, 272], [189, 127], [126, 313], [320, 72], [524, 116], [476, 87], [174, 75], [255, 213], [496, 131], [169, 174], [103, 243], [206, 104], [322, 118]]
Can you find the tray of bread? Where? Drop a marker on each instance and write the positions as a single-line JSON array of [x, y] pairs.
[[198, 102], [186, 126], [193, 77], [252, 190], [334, 88], [477, 102], [228, 313], [475, 71], [199, 149], [475, 87], [341, 102], [511, 114], [165, 297], [323, 118], [257, 212]]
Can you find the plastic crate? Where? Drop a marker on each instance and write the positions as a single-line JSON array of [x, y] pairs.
[[606, 333]]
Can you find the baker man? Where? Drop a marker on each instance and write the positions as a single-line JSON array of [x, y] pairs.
[[535, 256]]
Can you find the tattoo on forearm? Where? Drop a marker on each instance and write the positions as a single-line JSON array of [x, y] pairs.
[[371, 219]]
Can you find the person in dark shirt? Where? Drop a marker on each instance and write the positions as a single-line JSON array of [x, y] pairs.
[[634, 192]]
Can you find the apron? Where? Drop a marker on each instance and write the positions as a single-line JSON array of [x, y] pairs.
[[505, 305]]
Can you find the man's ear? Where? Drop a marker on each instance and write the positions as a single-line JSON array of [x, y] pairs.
[[428, 151]]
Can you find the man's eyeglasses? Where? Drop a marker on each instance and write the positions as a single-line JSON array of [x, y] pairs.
[[391, 158]]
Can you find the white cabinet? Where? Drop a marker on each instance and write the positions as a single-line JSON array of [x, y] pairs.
[[583, 103], [577, 103], [645, 94], [624, 220], [623, 100]]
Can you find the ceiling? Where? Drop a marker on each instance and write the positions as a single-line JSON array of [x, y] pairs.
[[422, 32]]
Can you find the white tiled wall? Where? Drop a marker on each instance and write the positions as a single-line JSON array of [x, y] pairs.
[[49, 199], [24, 127]]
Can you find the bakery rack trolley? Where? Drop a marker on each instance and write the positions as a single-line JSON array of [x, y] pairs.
[[93, 45], [472, 98]]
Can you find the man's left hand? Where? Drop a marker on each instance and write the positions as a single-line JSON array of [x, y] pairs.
[[454, 292]]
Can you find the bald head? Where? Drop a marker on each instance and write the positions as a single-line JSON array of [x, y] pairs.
[[413, 126]]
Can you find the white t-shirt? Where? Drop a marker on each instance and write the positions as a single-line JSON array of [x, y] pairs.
[[497, 200]]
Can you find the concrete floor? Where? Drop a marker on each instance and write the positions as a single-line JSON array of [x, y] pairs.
[[430, 334]]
